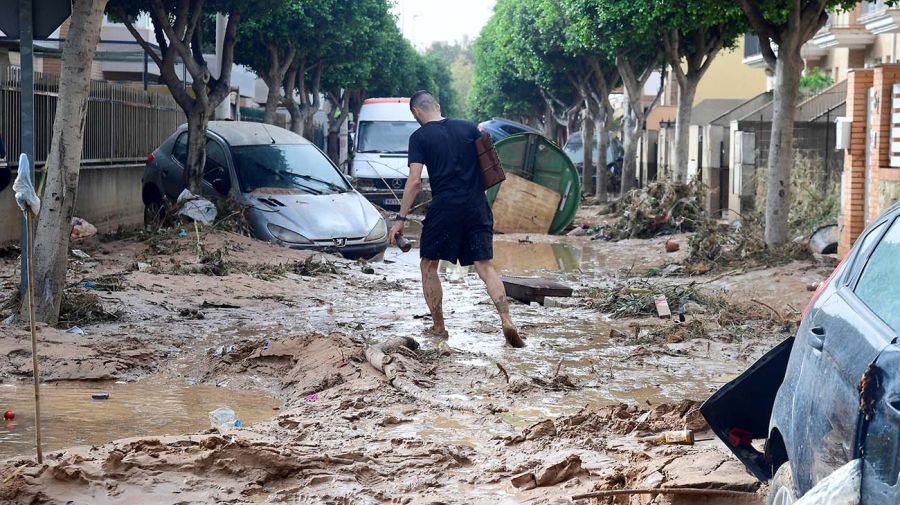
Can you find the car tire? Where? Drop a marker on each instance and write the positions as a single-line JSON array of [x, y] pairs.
[[781, 487]]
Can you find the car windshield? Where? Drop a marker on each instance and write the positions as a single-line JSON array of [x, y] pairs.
[[300, 168], [385, 136]]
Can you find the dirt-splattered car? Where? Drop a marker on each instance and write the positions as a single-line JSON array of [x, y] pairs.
[[292, 193], [831, 394]]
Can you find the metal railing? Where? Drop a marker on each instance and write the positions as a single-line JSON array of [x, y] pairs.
[[123, 124]]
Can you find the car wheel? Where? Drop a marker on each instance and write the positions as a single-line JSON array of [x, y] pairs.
[[781, 487]]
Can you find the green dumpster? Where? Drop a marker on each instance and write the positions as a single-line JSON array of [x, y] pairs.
[[539, 160]]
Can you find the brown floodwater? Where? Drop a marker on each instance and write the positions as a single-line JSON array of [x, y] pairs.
[[151, 407]]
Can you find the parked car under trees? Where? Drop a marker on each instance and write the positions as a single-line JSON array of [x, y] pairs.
[[293, 194], [831, 394]]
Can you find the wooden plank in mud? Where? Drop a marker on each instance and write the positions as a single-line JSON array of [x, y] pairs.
[[533, 289]]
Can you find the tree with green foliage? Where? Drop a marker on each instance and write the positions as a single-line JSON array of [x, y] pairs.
[[459, 60], [609, 28], [180, 40], [691, 33], [497, 89], [268, 46], [783, 27]]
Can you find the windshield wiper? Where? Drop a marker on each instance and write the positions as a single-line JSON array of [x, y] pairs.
[[281, 174], [313, 178]]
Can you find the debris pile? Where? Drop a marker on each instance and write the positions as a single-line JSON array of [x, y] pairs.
[[81, 308], [637, 297], [720, 245], [658, 209]]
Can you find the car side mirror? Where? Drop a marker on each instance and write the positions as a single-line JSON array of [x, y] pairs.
[[221, 185]]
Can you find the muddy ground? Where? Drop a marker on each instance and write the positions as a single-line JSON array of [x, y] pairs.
[[280, 335]]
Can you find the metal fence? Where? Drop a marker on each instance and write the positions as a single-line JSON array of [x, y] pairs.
[[123, 124]]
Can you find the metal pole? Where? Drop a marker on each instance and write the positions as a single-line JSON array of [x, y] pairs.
[[26, 50], [146, 65]]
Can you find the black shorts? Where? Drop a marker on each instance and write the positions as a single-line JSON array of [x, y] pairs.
[[463, 233]]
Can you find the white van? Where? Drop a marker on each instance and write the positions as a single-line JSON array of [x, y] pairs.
[[379, 169]]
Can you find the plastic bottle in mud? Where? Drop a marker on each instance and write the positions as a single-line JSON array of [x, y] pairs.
[[680, 437]]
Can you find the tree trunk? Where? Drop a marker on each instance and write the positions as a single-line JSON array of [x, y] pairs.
[[788, 70], [549, 123], [687, 90], [198, 119], [307, 113], [334, 146], [631, 128], [273, 97], [587, 140], [603, 123], [54, 224]]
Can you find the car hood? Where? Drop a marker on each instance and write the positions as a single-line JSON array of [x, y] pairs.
[[317, 217]]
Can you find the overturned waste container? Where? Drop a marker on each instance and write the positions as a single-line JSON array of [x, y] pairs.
[[547, 183]]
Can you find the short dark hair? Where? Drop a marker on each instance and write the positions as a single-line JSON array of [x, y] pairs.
[[422, 100]]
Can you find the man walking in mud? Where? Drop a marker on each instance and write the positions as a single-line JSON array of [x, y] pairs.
[[459, 226]]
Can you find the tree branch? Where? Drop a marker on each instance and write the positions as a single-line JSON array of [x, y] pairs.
[[670, 43], [143, 43], [763, 28], [222, 85]]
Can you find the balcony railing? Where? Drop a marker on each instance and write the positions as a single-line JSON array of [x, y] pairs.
[[869, 8]]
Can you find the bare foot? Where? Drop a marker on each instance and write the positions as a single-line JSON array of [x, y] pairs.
[[433, 332], [512, 336]]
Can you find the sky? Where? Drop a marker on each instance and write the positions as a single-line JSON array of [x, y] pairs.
[[427, 21]]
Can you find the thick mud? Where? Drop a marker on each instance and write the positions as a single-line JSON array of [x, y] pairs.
[[275, 330]]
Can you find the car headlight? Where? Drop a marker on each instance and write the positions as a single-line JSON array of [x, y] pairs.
[[378, 232], [285, 235]]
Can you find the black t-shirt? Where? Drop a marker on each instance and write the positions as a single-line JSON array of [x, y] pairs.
[[447, 148]]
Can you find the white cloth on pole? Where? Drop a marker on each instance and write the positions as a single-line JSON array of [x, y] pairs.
[[26, 196]]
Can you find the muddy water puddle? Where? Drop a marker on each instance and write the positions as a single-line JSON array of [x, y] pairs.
[[156, 406]]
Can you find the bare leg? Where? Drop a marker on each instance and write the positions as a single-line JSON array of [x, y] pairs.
[[497, 292], [434, 296]]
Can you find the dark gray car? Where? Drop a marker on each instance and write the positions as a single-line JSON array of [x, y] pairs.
[[294, 195], [831, 394]]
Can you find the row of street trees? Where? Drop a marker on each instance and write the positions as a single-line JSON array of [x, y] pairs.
[[558, 60], [342, 50]]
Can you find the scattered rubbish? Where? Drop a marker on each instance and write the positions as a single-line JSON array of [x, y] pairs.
[[191, 314], [662, 307], [143, 267], [812, 286], [532, 289], [9, 415], [578, 232], [196, 208], [87, 284], [549, 475], [82, 228], [672, 246], [681, 311], [842, 487], [679, 437], [615, 334], [78, 253], [102, 395], [182, 234], [637, 297], [265, 345], [694, 308], [311, 398], [366, 269], [223, 419], [534, 304], [75, 330], [825, 239]]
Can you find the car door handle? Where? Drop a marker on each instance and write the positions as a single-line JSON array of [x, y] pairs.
[[817, 338]]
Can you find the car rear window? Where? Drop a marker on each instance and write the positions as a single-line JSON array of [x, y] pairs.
[[879, 284]]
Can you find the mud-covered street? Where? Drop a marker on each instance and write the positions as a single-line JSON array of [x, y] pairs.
[[279, 337]]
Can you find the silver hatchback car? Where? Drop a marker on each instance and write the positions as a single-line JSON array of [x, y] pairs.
[[293, 193]]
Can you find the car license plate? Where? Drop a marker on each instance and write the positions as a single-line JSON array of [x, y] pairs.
[[391, 201]]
